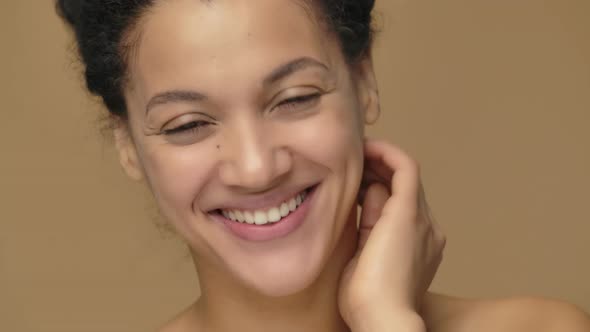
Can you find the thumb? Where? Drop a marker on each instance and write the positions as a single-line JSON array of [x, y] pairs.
[[373, 202]]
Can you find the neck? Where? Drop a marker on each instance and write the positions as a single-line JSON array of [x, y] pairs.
[[232, 308]]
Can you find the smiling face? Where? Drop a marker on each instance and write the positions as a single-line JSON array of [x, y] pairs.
[[247, 124]]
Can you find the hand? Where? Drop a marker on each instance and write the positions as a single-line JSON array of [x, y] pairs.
[[399, 246]]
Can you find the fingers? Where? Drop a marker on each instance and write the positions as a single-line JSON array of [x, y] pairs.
[[392, 167], [398, 219], [374, 199], [386, 162], [426, 214]]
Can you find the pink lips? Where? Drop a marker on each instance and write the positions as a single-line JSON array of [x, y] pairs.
[[268, 232]]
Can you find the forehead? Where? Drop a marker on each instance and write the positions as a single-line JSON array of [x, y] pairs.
[[185, 39]]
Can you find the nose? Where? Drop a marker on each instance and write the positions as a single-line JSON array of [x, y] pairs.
[[254, 158]]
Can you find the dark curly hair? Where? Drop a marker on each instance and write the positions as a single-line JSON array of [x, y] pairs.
[[104, 39]]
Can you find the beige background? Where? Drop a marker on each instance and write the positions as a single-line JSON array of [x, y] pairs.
[[493, 97]]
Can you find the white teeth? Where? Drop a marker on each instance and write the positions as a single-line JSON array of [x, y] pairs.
[[273, 215], [284, 210], [292, 204], [249, 217], [260, 217], [240, 216]]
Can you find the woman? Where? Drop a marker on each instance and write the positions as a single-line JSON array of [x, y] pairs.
[[246, 119]]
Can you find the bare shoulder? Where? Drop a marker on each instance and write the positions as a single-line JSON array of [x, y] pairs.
[[515, 314]]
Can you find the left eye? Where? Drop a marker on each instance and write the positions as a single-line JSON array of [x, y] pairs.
[[299, 101]]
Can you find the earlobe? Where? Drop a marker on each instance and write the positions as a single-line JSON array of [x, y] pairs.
[[127, 153], [369, 91]]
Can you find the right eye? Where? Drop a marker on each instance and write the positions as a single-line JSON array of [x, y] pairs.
[[188, 133], [190, 128]]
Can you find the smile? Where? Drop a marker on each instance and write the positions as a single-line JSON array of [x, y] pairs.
[[273, 222], [269, 215]]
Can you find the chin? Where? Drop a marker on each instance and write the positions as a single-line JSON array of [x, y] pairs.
[[285, 283], [289, 271], [291, 264]]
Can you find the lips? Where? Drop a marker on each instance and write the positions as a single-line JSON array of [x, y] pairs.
[[259, 201], [268, 230], [268, 215]]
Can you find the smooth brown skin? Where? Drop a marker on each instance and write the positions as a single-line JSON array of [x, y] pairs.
[[224, 49], [444, 313]]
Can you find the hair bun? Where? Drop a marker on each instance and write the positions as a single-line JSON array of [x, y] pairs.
[[70, 10]]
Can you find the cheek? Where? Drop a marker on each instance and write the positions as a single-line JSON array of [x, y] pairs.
[[334, 137], [176, 175]]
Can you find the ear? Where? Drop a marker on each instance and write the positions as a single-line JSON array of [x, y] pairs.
[[368, 91], [127, 152]]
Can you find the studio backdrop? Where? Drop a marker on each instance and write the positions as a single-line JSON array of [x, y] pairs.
[[492, 97]]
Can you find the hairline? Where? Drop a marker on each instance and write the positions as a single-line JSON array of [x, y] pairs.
[[132, 38]]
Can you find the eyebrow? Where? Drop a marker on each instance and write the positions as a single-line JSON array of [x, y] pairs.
[[276, 75], [290, 68], [174, 96]]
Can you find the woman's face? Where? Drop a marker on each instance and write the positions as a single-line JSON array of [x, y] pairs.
[[236, 108]]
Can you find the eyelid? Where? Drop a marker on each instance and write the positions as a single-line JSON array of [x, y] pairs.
[[295, 92], [189, 133], [186, 127], [187, 118], [299, 102], [300, 98]]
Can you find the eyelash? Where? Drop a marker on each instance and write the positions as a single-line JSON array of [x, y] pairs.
[[299, 100], [195, 126], [191, 127]]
